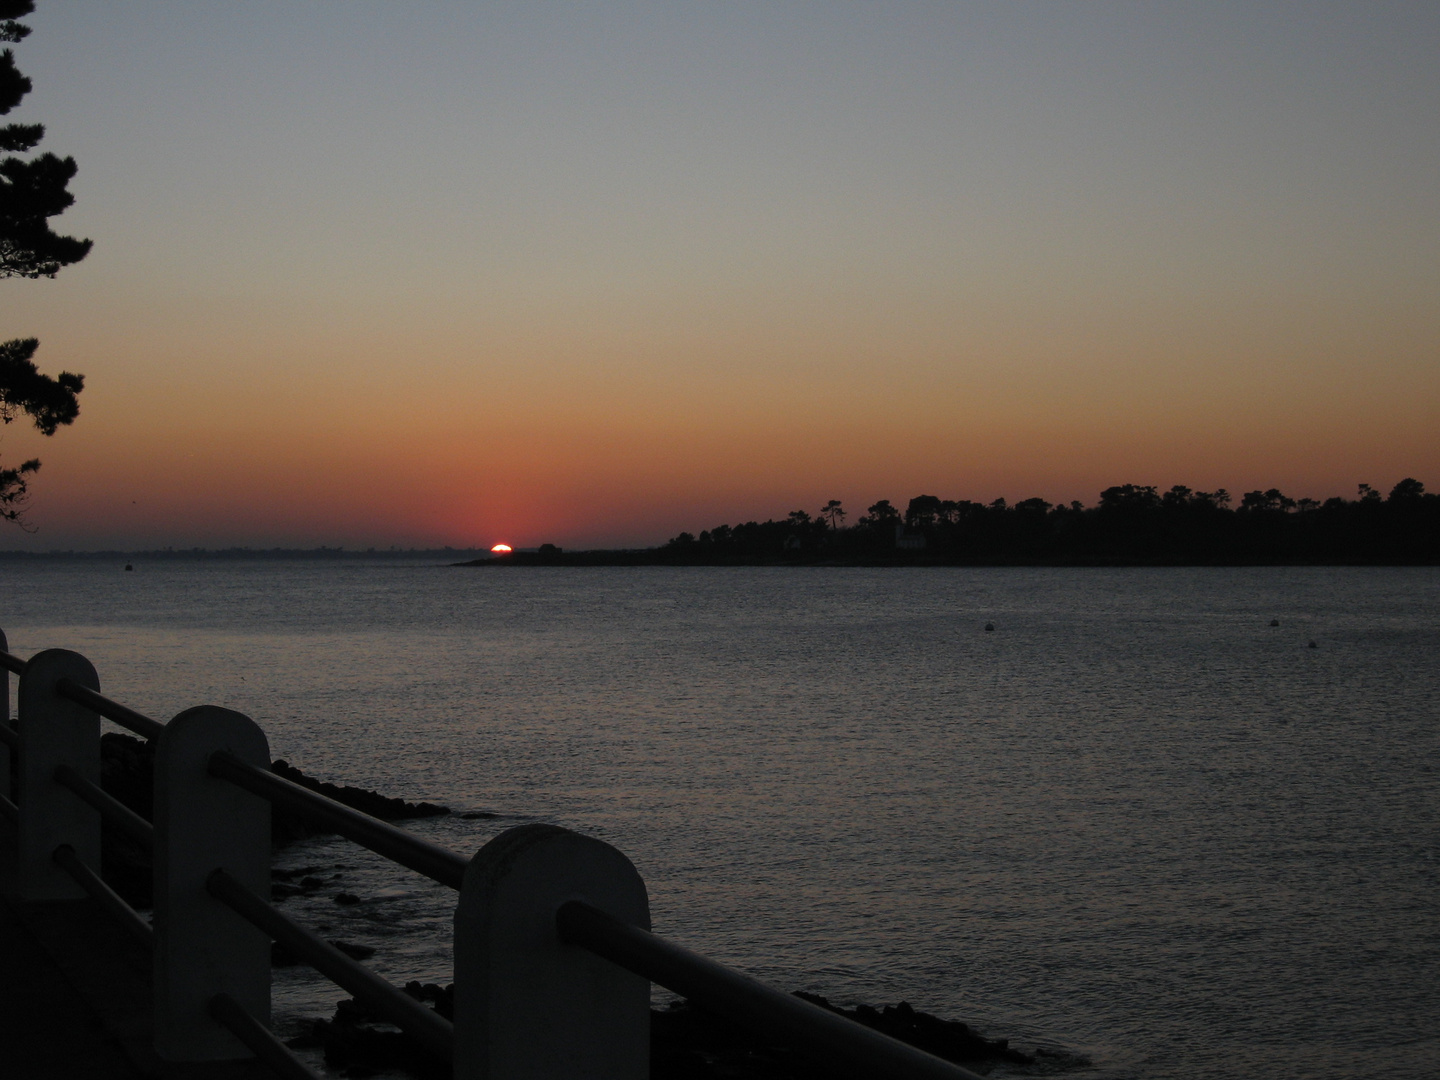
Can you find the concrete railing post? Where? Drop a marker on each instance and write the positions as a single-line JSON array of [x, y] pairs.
[[527, 1005], [203, 823], [5, 787], [55, 731]]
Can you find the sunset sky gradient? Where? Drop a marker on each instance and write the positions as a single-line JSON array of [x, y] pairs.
[[426, 273]]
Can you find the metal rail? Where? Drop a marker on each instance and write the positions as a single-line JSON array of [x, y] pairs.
[[107, 897], [111, 808], [9, 811], [8, 735], [435, 862], [427, 1027], [851, 1048], [258, 1038], [112, 710]]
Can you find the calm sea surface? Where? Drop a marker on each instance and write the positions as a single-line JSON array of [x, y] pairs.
[[1135, 821]]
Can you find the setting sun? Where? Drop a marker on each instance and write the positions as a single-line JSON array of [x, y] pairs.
[[500, 549]]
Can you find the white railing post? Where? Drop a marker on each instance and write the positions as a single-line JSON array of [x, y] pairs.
[[527, 1005], [55, 731], [202, 823], [5, 719]]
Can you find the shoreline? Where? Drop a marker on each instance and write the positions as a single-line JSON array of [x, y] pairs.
[[898, 558]]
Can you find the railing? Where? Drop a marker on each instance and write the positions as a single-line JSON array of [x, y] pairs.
[[553, 951]]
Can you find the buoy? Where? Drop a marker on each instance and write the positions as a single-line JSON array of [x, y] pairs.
[[129, 567], [989, 626], [1313, 645], [1274, 622]]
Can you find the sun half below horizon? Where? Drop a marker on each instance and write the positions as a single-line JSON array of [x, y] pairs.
[[596, 275]]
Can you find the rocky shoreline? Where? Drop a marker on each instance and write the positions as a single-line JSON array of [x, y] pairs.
[[687, 1042], [127, 772]]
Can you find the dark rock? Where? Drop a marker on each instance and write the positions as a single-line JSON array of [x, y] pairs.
[[345, 899], [367, 802], [948, 1039], [689, 1043], [311, 1038], [283, 884], [442, 998], [127, 773], [360, 1042]]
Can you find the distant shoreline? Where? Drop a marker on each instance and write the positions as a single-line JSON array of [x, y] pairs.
[[278, 554], [668, 556], [1132, 525], [899, 559]]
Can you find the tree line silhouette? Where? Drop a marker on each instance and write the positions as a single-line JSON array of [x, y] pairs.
[[1132, 524]]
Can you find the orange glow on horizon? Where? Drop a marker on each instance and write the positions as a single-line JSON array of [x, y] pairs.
[[623, 330]]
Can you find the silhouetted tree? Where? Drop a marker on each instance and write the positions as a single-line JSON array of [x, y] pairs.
[[1219, 499], [881, 514], [1128, 498], [1177, 498], [1271, 501], [1033, 506], [834, 513], [923, 511], [1133, 524], [1406, 489], [31, 193]]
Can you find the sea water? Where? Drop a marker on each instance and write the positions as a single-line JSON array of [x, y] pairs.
[[1134, 820]]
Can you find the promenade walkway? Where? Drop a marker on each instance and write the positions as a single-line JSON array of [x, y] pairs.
[[57, 962], [75, 996], [47, 1029]]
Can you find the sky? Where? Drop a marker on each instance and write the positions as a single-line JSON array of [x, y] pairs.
[[453, 273]]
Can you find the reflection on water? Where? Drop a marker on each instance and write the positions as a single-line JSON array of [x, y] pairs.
[[1136, 820]]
